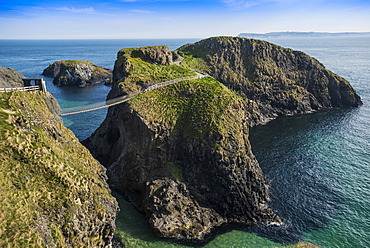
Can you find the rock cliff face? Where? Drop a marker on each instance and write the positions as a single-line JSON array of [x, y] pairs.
[[10, 78], [181, 153], [280, 80], [53, 192], [80, 73]]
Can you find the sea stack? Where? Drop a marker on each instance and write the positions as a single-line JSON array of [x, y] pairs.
[[78, 73]]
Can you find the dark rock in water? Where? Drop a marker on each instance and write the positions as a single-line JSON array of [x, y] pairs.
[[280, 80], [53, 192], [80, 73], [10, 78]]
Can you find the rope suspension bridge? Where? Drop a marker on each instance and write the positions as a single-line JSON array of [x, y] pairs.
[[122, 99]]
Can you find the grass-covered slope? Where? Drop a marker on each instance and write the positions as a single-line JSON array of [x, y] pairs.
[[137, 68], [282, 81], [193, 107], [53, 192]]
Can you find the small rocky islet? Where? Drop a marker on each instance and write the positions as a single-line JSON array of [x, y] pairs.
[[77, 73], [181, 153]]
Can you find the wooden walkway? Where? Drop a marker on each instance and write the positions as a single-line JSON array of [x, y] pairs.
[[122, 99]]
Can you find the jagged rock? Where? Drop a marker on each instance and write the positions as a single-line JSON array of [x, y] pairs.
[[190, 176], [10, 78], [53, 192], [280, 80], [74, 72]]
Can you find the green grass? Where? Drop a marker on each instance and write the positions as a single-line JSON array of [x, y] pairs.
[[140, 71], [196, 63], [194, 107], [4, 113], [146, 72], [45, 182], [74, 62]]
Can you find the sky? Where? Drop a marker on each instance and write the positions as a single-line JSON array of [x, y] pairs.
[[130, 19]]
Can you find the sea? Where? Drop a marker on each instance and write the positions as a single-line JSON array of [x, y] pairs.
[[318, 164]]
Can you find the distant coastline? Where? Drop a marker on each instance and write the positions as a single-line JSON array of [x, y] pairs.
[[301, 34]]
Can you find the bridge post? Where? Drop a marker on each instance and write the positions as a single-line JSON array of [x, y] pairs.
[[42, 85]]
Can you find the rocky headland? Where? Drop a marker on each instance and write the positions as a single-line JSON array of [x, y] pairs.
[[78, 73], [181, 153], [10, 78], [53, 192], [279, 80]]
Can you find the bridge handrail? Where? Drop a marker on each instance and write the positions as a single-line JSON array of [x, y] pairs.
[[27, 88], [119, 100]]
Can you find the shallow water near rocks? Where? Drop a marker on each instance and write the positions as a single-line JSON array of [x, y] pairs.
[[318, 164]]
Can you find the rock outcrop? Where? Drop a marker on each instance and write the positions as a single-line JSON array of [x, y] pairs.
[[53, 192], [80, 73], [137, 68], [280, 80], [10, 78], [181, 153]]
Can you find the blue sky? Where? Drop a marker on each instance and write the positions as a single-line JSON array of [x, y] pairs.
[[119, 19]]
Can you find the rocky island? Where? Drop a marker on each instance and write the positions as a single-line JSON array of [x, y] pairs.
[[53, 192], [75, 72], [181, 153]]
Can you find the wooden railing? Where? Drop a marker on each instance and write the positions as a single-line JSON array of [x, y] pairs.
[[27, 88]]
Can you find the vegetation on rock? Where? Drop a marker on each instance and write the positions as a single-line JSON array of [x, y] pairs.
[[53, 192], [181, 153], [76, 72], [280, 80], [193, 107], [137, 68], [176, 151]]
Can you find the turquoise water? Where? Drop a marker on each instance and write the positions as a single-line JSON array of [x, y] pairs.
[[318, 164]]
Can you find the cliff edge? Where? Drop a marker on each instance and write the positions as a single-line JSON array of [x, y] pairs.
[[53, 192], [181, 153], [280, 80]]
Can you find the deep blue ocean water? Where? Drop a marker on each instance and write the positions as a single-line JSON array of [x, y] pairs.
[[318, 164]]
